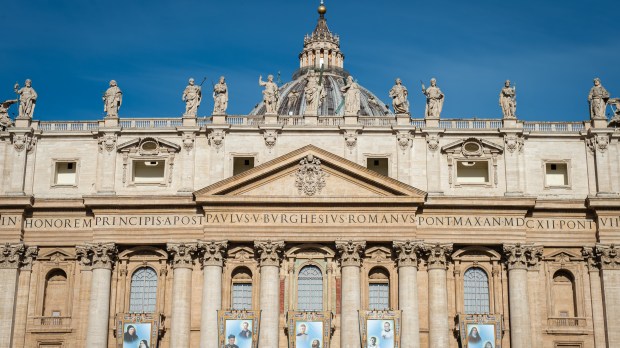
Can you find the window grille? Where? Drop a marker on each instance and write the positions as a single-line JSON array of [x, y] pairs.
[[310, 289], [242, 296], [476, 286], [378, 296], [143, 294]]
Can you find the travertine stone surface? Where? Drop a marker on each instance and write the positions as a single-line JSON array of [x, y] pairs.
[[112, 100], [27, 100], [11, 256], [270, 94], [350, 252], [192, 96], [508, 100], [407, 257], [596, 293], [220, 97], [399, 94], [598, 98], [182, 258], [352, 95], [434, 100], [213, 260], [269, 253], [437, 255]]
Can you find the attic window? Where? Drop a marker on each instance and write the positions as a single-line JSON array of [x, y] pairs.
[[379, 165], [556, 174], [241, 164], [65, 173], [149, 171], [472, 172]]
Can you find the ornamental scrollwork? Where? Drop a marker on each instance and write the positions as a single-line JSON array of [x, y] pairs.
[[404, 140], [182, 254], [213, 252], [23, 142], [11, 255], [216, 138], [269, 252], [188, 142], [407, 252], [97, 255], [608, 255], [432, 141], [514, 143], [107, 142], [437, 255], [351, 252], [270, 136], [350, 139], [522, 256], [598, 142], [310, 177]]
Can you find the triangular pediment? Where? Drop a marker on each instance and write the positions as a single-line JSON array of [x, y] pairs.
[[310, 173]]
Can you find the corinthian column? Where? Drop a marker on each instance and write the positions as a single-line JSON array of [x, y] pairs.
[[596, 294], [11, 256], [269, 257], [212, 263], [437, 263], [609, 258], [350, 253], [23, 296], [182, 257], [408, 291], [519, 257], [102, 257]]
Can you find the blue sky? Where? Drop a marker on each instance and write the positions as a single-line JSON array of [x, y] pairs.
[[71, 49]]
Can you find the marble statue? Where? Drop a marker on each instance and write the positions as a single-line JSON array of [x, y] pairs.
[[616, 103], [314, 93], [5, 120], [27, 99], [292, 99], [598, 98], [112, 100], [270, 94], [399, 94], [508, 100], [434, 100], [352, 97], [220, 97], [192, 96]]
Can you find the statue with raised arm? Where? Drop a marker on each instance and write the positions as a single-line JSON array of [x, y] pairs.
[[27, 99], [615, 107], [192, 96], [5, 120], [399, 94], [598, 98], [220, 97], [434, 100], [112, 100], [508, 100], [352, 97], [270, 94], [314, 94]]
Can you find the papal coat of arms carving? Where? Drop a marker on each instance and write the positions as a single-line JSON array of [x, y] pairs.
[[310, 178]]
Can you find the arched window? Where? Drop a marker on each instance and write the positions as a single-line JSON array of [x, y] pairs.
[[564, 294], [143, 293], [378, 289], [241, 298], [56, 290], [476, 284], [310, 289]]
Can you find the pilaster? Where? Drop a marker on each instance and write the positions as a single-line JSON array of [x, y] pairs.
[[107, 139], [596, 293], [609, 258], [433, 159], [513, 159], [598, 141], [11, 257], [188, 158], [24, 141]]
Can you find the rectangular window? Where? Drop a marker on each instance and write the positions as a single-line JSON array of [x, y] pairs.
[[242, 296], [378, 296], [379, 165], [65, 174], [472, 172], [149, 171], [556, 174], [241, 164]]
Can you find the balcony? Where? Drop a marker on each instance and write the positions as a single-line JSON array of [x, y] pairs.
[[50, 324], [568, 326]]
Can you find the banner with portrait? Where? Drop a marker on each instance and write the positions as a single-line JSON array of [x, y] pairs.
[[480, 330], [309, 329], [380, 329], [137, 330], [238, 329]]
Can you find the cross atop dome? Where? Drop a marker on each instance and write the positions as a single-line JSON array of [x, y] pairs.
[[321, 48]]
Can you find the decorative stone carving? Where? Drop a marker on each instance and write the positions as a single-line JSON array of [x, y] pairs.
[[514, 143], [192, 96], [352, 97], [615, 103], [112, 100], [97, 255], [213, 252], [351, 252], [407, 252], [216, 138], [593, 262], [182, 254], [5, 119], [598, 98], [269, 252], [310, 178], [508, 100], [29, 256], [11, 255], [107, 142], [522, 256], [27, 99], [220, 97], [432, 141], [350, 139], [188, 142], [404, 140], [598, 142], [608, 255], [270, 136], [434, 100], [314, 94], [270, 95], [399, 94], [23, 142], [437, 255]]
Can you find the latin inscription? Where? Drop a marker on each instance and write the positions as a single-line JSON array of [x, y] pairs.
[[505, 222]]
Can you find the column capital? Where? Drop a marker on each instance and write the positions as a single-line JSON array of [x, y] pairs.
[[437, 254], [269, 252], [30, 254], [522, 256], [608, 256], [213, 252], [407, 252], [351, 252], [589, 255], [182, 254], [97, 255], [11, 255]]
